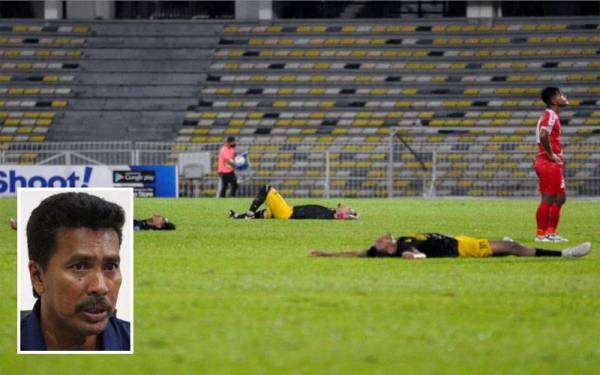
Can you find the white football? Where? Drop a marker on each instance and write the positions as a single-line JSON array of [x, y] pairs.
[[239, 160]]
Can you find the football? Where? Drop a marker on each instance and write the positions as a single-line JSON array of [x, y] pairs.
[[241, 162]]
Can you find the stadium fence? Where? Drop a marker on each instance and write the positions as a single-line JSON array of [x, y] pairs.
[[322, 170]]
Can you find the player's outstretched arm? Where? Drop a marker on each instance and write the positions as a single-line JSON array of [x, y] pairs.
[[320, 253]]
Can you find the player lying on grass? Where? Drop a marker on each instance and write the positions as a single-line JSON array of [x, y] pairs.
[[277, 208], [154, 222], [434, 245]]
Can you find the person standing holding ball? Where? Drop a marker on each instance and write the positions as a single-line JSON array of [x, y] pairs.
[[226, 167]]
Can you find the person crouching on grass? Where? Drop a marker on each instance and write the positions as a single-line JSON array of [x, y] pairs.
[[435, 245], [277, 208]]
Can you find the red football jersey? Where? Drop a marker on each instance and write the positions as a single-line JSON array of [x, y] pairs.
[[551, 123]]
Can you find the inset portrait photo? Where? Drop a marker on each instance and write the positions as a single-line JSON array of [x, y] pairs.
[[75, 271]]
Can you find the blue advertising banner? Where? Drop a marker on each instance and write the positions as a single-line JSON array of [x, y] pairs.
[[147, 180]]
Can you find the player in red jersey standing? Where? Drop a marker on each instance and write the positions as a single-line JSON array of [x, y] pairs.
[[549, 166]]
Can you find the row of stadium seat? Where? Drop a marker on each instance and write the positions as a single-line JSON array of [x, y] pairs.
[[40, 53], [293, 136], [33, 104], [266, 127], [22, 138], [317, 41], [20, 91], [483, 119], [404, 53], [320, 78], [24, 129], [266, 104], [334, 115], [36, 78], [27, 115], [391, 91], [61, 29], [37, 66], [363, 29], [42, 41], [25, 122], [537, 65]]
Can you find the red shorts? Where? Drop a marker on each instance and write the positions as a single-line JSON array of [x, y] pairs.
[[551, 177]]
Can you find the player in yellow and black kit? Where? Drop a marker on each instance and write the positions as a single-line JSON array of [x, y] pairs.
[[277, 208], [435, 245]]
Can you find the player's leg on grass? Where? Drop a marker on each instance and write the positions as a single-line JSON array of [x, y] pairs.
[[554, 218], [553, 192], [547, 188], [260, 214], [258, 201], [503, 248], [542, 216]]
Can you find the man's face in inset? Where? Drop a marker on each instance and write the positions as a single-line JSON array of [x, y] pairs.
[[80, 286]]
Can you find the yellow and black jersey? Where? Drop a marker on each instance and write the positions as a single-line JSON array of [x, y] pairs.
[[277, 208], [433, 245], [312, 211]]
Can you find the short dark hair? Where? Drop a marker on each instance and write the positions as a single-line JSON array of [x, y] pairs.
[[68, 210], [548, 93], [168, 226], [230, 139]]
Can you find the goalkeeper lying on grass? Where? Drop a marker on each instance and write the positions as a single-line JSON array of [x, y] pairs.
[[277, 208], [154, 222], [434, 245]]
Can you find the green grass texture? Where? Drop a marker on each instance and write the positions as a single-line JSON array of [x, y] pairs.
[[222, 296]]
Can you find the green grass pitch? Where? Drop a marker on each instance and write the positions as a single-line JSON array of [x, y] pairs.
[[219, 296]]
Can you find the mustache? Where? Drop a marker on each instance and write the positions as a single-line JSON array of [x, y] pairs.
[[93, 303]]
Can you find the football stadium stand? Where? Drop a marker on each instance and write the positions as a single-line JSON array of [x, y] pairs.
[[314, 99]]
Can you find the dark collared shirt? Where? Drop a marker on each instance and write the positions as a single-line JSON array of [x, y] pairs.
[[116, 335]]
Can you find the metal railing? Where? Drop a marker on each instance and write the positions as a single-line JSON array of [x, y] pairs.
[[366, 170]]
